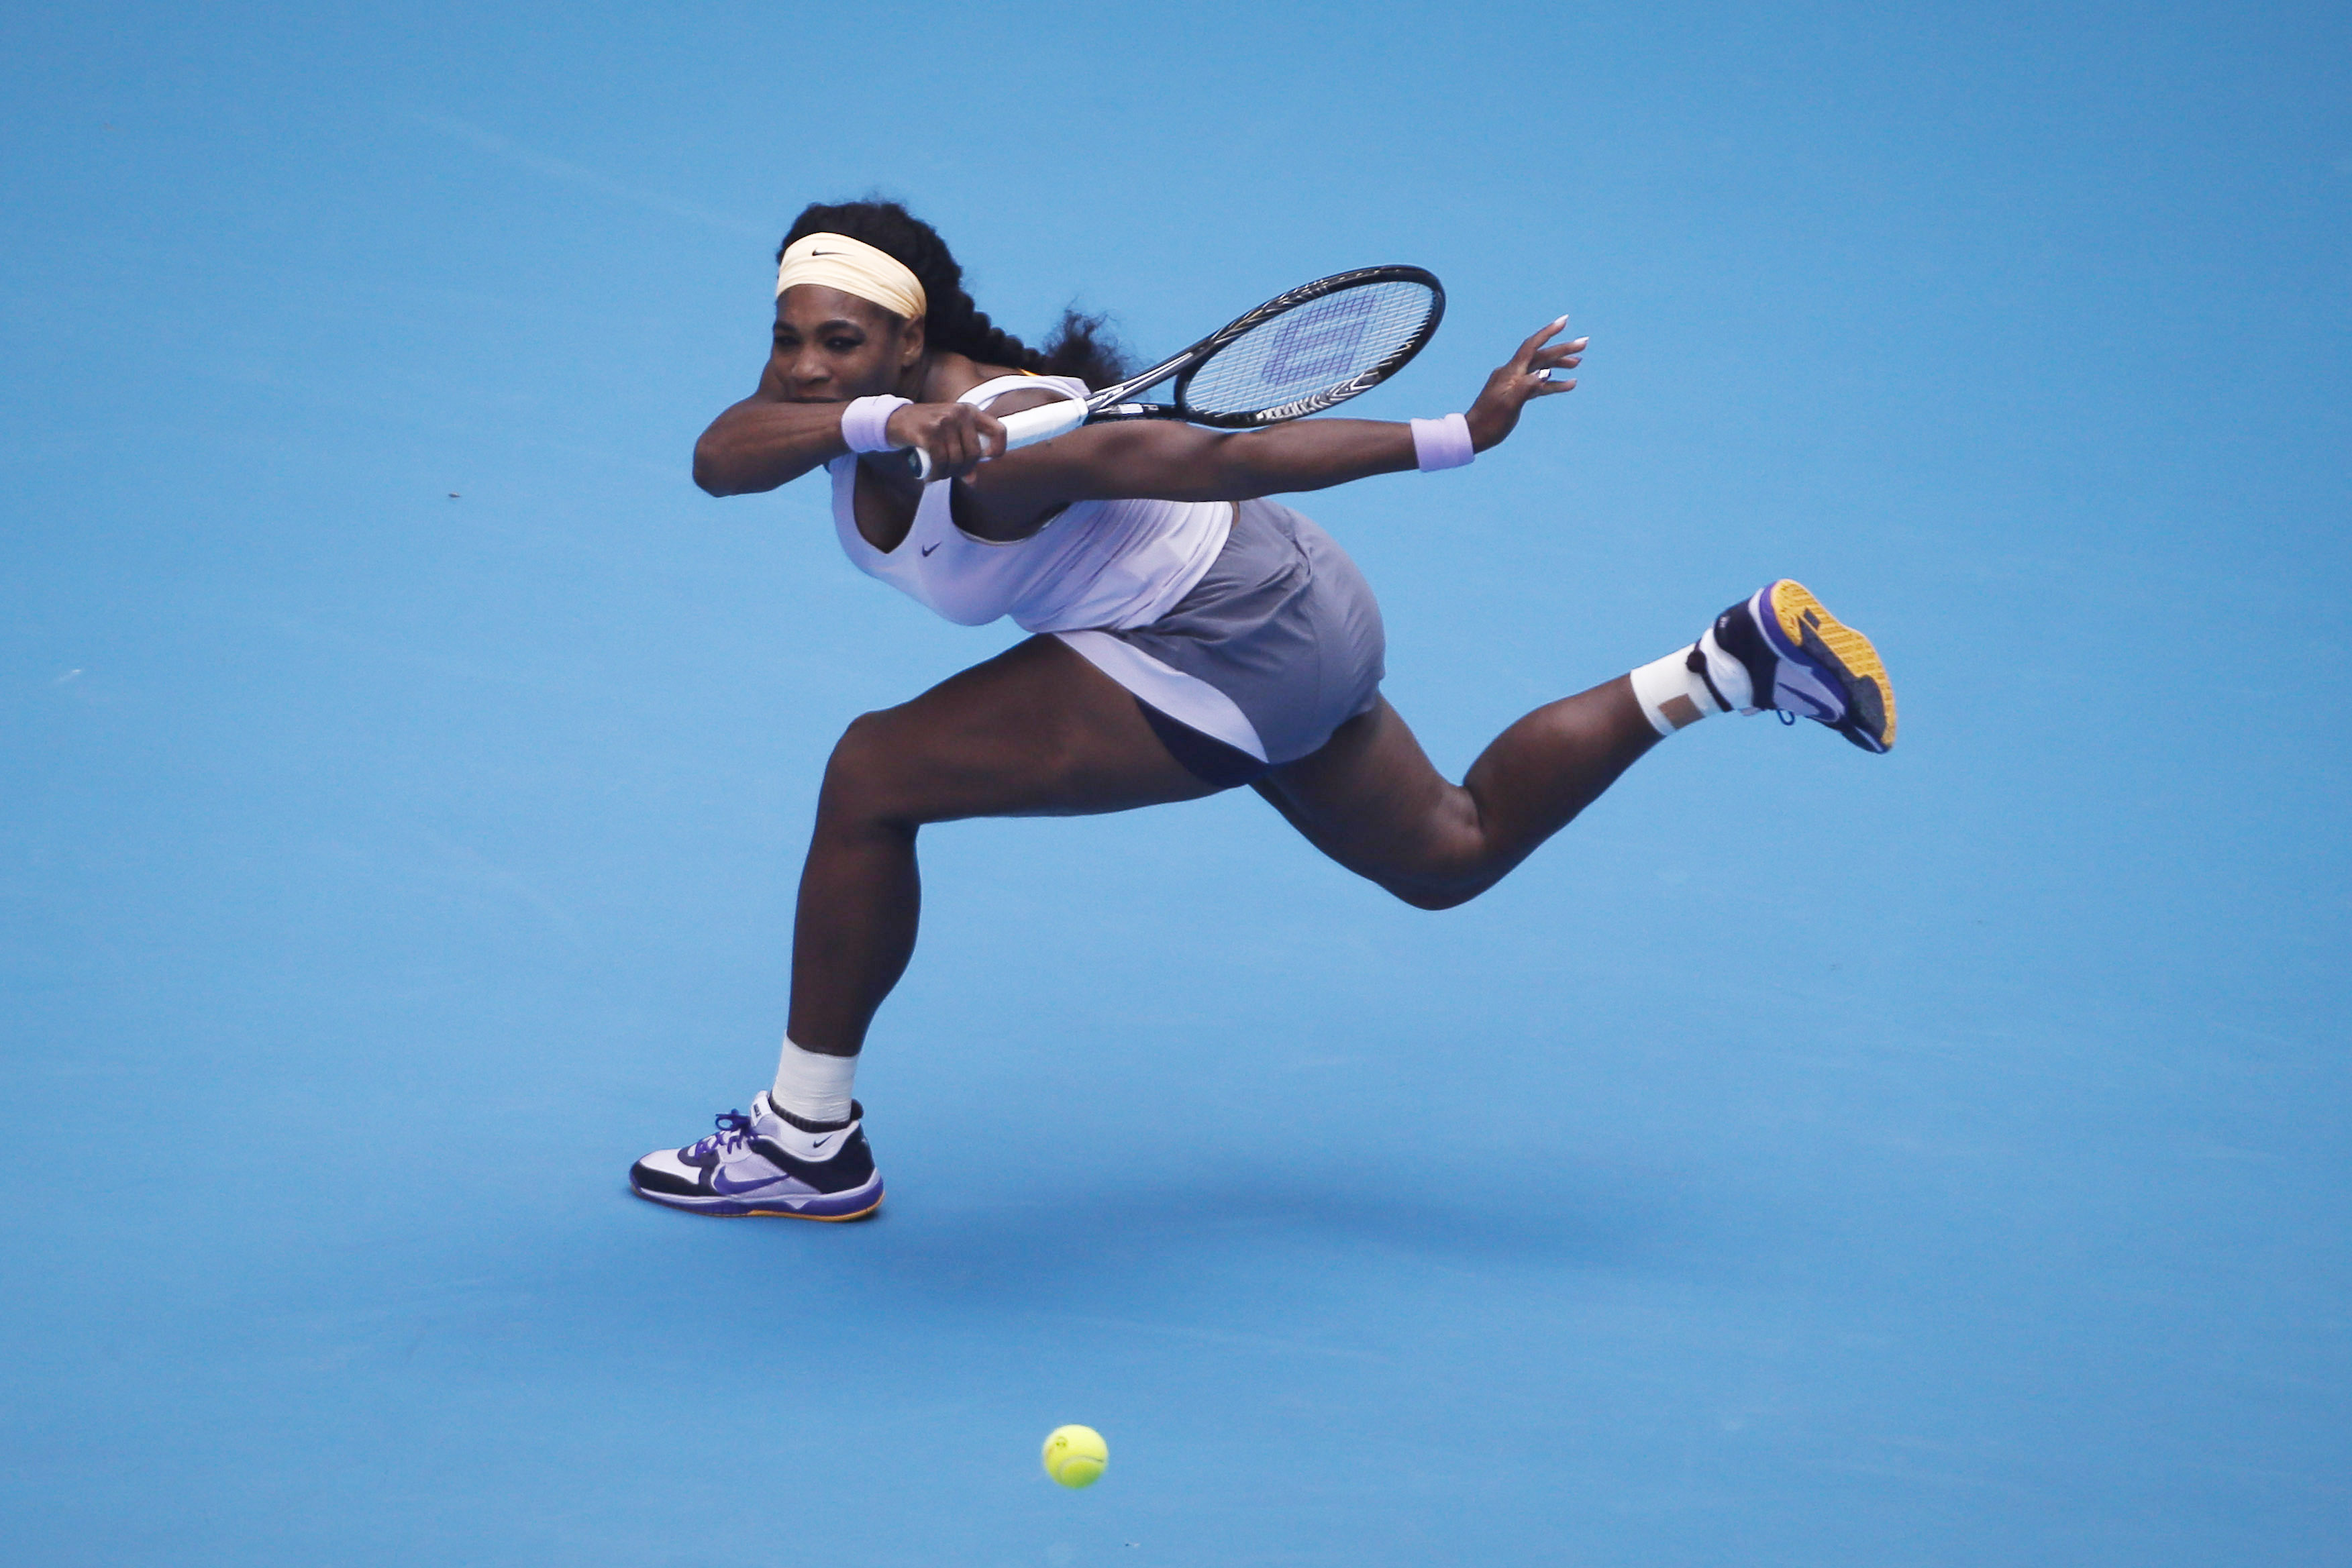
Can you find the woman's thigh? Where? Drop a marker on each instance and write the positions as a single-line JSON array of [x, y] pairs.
[[1372, 800], [1035, 731]]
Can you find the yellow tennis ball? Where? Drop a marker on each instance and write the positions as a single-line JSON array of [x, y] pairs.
[[1075, 1456]]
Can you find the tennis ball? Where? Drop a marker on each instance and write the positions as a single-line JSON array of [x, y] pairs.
[[1075, 1456]]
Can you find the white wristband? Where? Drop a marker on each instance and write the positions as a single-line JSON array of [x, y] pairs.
[[864, 420], [1442, 443]]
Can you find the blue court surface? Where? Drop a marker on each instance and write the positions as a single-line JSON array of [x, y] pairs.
[[1808, 1159]]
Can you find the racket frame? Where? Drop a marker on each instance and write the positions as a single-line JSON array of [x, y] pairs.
[[1112, 402]]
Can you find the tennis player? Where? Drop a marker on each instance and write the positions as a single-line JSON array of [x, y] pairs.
[[1189, 635]]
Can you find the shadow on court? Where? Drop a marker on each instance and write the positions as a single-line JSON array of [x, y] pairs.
[[1165, 1239]]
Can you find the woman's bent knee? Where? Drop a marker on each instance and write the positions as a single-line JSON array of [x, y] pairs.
[[1438, 895], [1450, 862], [1450, 874], [1442, 882], [865, 777]]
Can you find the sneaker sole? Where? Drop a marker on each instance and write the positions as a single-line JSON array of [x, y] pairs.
[[1806, 629], [731, 1208]]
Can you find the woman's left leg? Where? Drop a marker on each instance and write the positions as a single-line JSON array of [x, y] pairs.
[[1372, 800]]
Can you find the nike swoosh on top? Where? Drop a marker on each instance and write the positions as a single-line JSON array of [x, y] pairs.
[[808, 1171], [929, 549]]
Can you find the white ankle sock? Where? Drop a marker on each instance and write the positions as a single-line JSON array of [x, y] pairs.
[[1672, 694], [811, 1085]]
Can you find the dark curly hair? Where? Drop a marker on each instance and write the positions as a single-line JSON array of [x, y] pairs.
[[1080, 345]]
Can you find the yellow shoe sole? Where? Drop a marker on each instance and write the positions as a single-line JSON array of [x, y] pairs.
[[796, 1214], [634, 1191], [1809, 625]]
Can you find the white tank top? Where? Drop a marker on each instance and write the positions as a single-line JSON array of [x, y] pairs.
[[1108, 564]]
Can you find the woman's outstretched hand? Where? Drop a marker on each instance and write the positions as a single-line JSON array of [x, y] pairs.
[[958, 436], [1519, 384]]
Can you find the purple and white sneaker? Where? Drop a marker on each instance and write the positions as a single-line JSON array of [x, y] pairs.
[[770, 1162], [1780, 649]]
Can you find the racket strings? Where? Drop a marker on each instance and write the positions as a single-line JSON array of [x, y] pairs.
[[1312, 349]]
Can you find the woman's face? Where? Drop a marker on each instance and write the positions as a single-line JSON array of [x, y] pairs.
[[832, 347]]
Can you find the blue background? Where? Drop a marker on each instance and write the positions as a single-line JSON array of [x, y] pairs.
[[1809, 1159]]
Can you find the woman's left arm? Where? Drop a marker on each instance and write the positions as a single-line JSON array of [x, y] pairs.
[[1164, 460]]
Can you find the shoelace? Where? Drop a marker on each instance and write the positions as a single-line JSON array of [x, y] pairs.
[[733, 1128]]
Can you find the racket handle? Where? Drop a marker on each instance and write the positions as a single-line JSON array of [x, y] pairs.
[[1027, 428]]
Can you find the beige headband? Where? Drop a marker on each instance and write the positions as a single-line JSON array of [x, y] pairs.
[[852, 265]]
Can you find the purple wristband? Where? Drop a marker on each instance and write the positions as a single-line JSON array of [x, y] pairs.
[[1442, 443], [864, 420]]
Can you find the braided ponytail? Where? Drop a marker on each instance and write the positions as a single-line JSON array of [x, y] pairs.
[[1080, 345]]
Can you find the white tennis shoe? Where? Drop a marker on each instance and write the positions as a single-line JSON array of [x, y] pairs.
[[767, 1163], [1780, 649]]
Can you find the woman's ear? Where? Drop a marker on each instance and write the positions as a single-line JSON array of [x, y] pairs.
[[910, 343]]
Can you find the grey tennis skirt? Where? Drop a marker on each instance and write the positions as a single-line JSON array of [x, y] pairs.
[[1275, 648]]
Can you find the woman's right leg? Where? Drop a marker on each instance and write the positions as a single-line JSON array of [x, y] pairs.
[[1036, 731]]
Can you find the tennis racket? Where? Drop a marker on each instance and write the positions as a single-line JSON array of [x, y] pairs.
[[1299, 353]]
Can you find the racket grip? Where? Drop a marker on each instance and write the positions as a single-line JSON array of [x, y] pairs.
[[1027, 428], [1043, 423]]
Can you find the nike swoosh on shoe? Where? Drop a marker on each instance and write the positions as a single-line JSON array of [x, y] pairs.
[[728, 1186]]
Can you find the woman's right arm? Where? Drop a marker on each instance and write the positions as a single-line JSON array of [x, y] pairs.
[[765, 441]]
